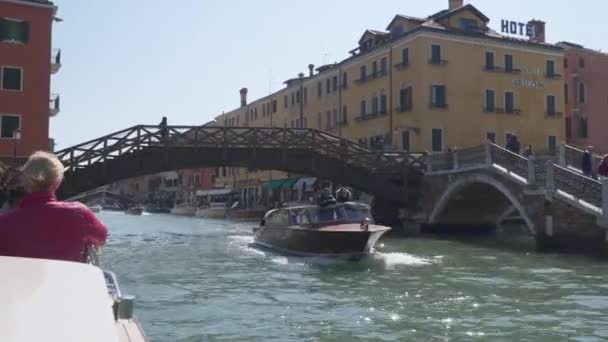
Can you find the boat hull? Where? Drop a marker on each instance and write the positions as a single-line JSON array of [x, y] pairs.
[[339, 241], [183, 211], [211, 213], [135, 211]]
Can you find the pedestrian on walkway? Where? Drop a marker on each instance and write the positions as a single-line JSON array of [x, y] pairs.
[[513, 144], [163, 127], [586, 162], [529, 152]]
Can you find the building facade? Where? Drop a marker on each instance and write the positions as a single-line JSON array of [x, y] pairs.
[[423, 85], [586, 96], [26, 64]]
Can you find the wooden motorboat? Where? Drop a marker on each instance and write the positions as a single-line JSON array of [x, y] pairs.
[[183, 210], [137, 211], [48, 300], [215, 210], [96, 208], [330, 229]]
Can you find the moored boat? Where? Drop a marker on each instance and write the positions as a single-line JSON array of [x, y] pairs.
[[137, 211], [215, 210], [39, 304], [95, 208], [183, 210], [327, 229]]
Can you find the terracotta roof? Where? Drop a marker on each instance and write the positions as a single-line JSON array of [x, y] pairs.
[[446, 13]]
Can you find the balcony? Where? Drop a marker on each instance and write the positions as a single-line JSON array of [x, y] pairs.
[[54, 106], [437, 61], [55, 60], [553, 114], [553, 76]]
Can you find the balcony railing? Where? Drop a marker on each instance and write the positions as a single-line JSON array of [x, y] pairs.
[[55, 60], [54, 105]]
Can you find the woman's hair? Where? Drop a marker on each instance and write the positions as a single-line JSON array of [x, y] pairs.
[[43, 172]]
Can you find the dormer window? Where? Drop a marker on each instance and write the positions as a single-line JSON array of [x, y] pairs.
[[397, 31], [469, 25]]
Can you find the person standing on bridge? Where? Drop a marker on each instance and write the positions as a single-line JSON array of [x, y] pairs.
[[44, 228], [587, 162], [163, 128], [602, 170]]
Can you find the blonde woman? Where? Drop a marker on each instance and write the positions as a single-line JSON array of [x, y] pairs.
[[43, 227]]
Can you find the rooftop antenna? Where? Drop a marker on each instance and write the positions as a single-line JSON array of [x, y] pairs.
[[325, 55]]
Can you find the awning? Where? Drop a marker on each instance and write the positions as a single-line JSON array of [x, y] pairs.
[[214, 192], [288, 184], [305, 182], [275, 184]]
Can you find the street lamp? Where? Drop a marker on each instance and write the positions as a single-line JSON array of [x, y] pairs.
[[16, 137]]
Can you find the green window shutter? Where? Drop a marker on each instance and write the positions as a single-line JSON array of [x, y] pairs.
[[25, 32], [9, 125], [3, 29]]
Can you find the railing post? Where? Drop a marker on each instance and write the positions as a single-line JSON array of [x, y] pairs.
[[562, 155], [531, 170], [604, 181], [550, 181], [488, 153], [455, 162]]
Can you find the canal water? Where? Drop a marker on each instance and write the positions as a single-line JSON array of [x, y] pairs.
[[200, 280]]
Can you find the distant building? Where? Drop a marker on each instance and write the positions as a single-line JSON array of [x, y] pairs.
[[26, 64], [586, 91], [424, 84]]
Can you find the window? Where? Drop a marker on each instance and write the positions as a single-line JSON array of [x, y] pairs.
[[551, 105], [14, 31], [550, 69], [12, 78], [305, 123], [552, 144], [274, 106], [568, 128], [438, 96], [468, 24], [363, 72], [435, 54], [305, 95], [405, 99], [344, 80], [363, 108], [328, 86], [335, 83], [255, 113], [508, 63], [319, 120], [565, 63], [509, 102], [374, 68], [344, 115], [383, 104], [285, 100], [583, 129], [437, 139], [9, 126], [566, 93], [405, 56], [582, 93], [375, 104], [319, 89], [293, 99], [581, 62], [383, 65], [491, 137], [490, 103], [489, 60], [405, 140]]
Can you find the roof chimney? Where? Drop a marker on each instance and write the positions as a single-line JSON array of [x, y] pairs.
[[454, 4], [301, 75], [311, 70], [243, 97], [538, 30]]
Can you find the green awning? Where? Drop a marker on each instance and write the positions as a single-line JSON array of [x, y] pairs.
[[275, 184], [288, 183]]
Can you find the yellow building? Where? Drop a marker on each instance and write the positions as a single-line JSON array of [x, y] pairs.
[[425, 84]]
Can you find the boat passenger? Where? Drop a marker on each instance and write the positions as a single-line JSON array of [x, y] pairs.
[[343, 195], [41, 226]]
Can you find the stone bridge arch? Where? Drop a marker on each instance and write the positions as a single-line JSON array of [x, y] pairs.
[[476, 199]]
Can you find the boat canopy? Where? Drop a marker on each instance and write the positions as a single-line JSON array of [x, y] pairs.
[[46, 300]]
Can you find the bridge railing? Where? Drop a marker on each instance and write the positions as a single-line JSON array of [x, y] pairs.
[[578, 186], [572, 157]]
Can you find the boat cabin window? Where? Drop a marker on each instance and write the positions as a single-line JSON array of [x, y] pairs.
[[277, 218], [348, 213]]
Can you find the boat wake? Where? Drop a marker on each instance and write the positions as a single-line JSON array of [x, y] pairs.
[[403, 259]]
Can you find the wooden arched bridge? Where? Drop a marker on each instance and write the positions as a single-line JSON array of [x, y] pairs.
[[142, 149]]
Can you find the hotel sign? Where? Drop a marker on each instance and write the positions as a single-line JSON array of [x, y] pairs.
[[530, 83], [517, 28]]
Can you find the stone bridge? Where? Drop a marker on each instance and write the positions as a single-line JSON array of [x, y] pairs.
[[482, 186]]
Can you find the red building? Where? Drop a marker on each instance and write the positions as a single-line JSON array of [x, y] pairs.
[[26, 64], [586, 84], [193, 180]]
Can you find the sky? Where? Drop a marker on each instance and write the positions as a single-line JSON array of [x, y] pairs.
[[129, 62]]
